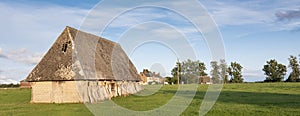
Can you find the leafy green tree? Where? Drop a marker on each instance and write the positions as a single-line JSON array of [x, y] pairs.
[[191, 70], [201, 68], [294, 65], [224, 70], [171, 80], [188, 71], [175, 73], [215, 74], [235, 71], [274, 71]]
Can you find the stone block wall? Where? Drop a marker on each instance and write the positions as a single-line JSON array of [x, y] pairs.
[[80, 91], [54, 92]]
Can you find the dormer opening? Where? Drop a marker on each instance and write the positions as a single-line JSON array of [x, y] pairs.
[[64, 48]]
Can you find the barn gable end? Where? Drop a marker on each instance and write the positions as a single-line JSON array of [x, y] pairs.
[[81, 67], [58, 59]]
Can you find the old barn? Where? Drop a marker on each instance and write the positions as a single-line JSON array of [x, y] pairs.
[[81, 67]]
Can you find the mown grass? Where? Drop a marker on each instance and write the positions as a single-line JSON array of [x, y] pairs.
[[15, 102], [147, 101], [258, 99], [235, 99]]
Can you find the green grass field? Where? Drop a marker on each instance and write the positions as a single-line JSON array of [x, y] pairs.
[[16, 102], [235, 99]]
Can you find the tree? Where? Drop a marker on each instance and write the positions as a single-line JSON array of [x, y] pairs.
[[235, 71], [294, 65], [201, 68], [191, 70], [188, 71], [171, 80], [274, 71], [175, 73], [223, 70], [215, 74]]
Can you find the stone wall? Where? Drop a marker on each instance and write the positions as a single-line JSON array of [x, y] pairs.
[[54, 92], [80, 91], [96, 91]]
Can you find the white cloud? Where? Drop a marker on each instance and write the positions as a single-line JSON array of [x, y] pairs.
[[30, 25], [5, 80], [27, 32], [1, 54], [291, 26], [23, 56], [23, 26], [226, 13], [33, 28], [136, 17], [261, 14], [252, 73], [100, 16]]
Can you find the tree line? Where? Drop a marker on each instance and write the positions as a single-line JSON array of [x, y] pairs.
[[9, 85], [189, 71], [275, 71]]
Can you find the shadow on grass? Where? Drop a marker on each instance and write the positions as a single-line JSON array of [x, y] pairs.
[[236, 97], [254, 98], [261, 99]]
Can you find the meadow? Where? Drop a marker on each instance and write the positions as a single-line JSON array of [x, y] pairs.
[[15, 102], [235, 99]]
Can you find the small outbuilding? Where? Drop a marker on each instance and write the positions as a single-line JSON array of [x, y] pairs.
[[205, 80]]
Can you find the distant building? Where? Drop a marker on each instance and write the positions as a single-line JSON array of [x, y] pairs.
[[205, 80], [25, 85], [149, 78]]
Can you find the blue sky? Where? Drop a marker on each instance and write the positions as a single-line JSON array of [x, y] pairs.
[[253, 32]]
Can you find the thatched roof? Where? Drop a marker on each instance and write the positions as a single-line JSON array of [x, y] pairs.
[[78, 55]]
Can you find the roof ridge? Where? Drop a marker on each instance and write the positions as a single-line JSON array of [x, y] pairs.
[[69, 29], [57, 63]]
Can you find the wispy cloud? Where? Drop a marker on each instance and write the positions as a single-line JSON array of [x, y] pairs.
[[16, 73], [1, 54], [253, 73], [261, 14], [22, 56], [237, 13], [96, 19], [5, 80], [288, 14], [25, 25], [28, 30], [289, 19], [99, 17]]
